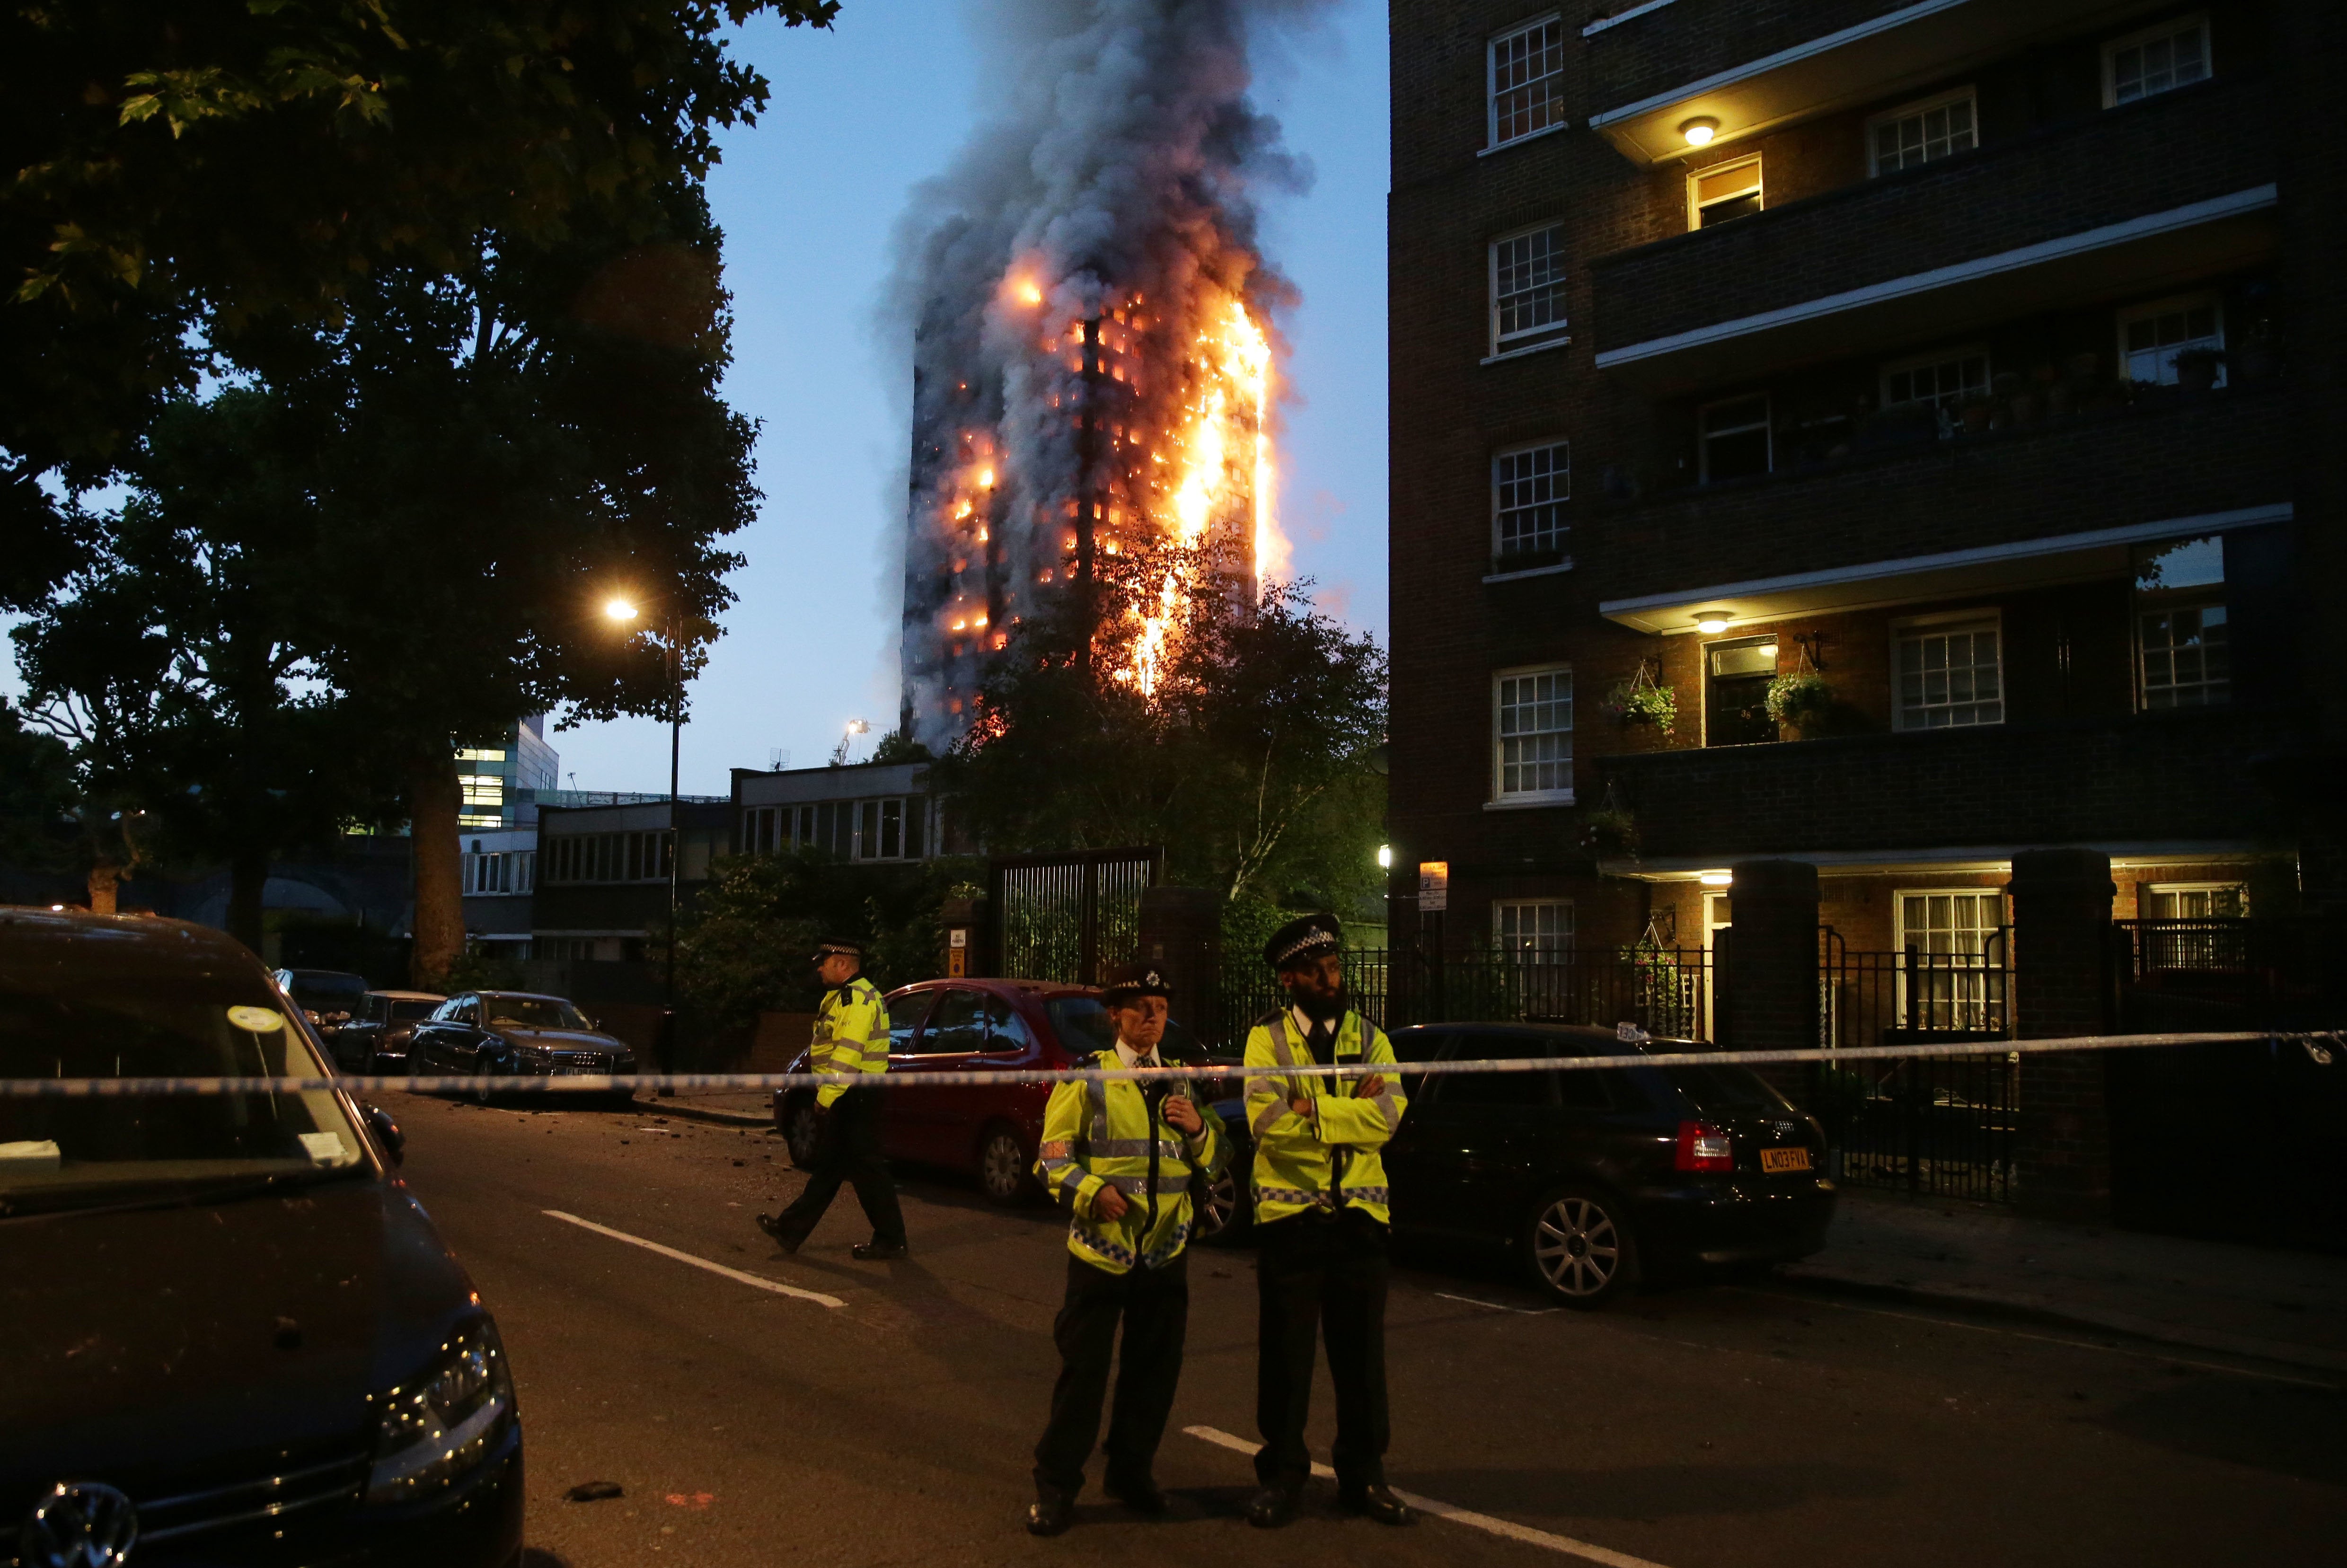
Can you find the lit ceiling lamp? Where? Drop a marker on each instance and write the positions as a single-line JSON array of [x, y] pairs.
[[1699, 130], [1711, 621], [1715, 878]]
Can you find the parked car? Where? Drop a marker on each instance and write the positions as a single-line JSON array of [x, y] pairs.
[[330, 997], [233, 1335], [374, 1043], [1010, 1027], [1596, 1177], [514, 1033]]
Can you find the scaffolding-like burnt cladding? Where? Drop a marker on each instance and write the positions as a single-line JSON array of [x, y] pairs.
[[1093, 373]]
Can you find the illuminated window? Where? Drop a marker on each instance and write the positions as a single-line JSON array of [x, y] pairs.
[[1921, 132], [1527, 81], [1723, 191], [2174, 53], [2198, 900], [1528, 289], [1532, 725]]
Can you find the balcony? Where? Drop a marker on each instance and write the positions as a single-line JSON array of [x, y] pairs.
[[2153, 778], [2159, 193], [1852, 534]]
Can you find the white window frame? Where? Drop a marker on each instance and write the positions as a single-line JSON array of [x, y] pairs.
[[1937, 357], [1726, 165], [1493, 140], [1563, 475], [2153, 889], [1506, 798], [1526, 340], [1947, 621], [1565, 933], [2151, 309], [1703, 436], [1963, 94], [1968, 992], [2172, 27]]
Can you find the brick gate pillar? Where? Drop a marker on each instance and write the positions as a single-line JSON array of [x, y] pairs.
[[1182, 929], [2062, 987], [1768, 997]]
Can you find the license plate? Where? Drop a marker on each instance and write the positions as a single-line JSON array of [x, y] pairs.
[[1784, 1158], [566, 1070]]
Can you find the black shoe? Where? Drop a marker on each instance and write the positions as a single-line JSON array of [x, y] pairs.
[[1376, 1502], [1138, 1493], [878, 1251], [1050, 1513], [1272, 1507], [772, 1226]]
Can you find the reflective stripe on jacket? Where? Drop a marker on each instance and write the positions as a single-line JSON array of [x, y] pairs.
[[851, 1035], [1099, 1135], [1328, 1161]]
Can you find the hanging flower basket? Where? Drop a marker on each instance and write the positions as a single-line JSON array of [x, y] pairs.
[[1610, 830], [1798, 697], [1639, 701]]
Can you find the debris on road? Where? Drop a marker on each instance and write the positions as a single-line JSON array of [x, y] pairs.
[[595, 1490]]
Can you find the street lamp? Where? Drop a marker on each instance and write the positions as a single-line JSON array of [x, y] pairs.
[[623, 610]]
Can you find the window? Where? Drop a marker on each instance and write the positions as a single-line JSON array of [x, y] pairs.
[[2173, 54], [1951, 973], [957, 1023], [483, 800], [2151, 336], [1527, 81], [1529, 487], [1528, 290], [2198, 901], [1734, 439], [1940, 381], [1948, 675], [2182, 634], [1921, 133], [1736, 692], [1723, 191], [1537, 930], [1533, 734]]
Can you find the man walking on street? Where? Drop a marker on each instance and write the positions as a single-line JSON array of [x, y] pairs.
[[1122, 1157], [1320, 1224], [851, 1035]]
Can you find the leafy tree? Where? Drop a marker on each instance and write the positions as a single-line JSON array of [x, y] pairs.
[[182, 174], [1251, 759]]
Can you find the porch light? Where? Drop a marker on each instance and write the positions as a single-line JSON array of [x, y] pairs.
[[1715, 878], [1710, 621], [1699, 130]]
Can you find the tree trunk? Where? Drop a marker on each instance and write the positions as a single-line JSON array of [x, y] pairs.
[[247, 876], [102, 881], [433, 798]]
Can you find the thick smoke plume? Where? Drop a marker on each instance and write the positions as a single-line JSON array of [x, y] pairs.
[[1093, 338]]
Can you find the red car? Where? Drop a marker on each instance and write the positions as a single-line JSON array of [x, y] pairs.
[[1008, 1027]]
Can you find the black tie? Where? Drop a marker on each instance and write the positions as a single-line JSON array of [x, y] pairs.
[[1321, 1041]]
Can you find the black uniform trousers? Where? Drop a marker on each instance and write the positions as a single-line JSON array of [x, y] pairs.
[[1154, 1303], [1314, 1271], [848, 1149]]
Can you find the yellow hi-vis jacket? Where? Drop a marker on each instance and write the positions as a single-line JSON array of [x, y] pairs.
[[1329, 1160], [1100, 1135], [851, 1035]]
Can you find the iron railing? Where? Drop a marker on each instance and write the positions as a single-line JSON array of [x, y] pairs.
[[1071, 918]]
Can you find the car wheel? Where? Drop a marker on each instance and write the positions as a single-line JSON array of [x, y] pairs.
[[481, 1065], [1002, 1166], [1229, 1209], [799, 1131], [1579, 1246]]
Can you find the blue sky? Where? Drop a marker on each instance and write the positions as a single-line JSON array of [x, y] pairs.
[[809, 200]]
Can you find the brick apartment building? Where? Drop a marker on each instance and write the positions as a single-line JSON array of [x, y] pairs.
[[1978, 357]]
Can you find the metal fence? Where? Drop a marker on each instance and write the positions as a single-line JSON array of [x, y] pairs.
[[1947, 1126], [1072, 918]]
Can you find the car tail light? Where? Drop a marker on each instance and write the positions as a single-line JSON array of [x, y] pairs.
[[1704, 1147]]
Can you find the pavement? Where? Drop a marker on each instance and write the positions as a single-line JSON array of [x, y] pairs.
[[752, 1406]]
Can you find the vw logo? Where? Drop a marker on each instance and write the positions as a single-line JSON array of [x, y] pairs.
[[80, 1524]]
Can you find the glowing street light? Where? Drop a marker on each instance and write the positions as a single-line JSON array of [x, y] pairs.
[[619, 610], [1385, 856]]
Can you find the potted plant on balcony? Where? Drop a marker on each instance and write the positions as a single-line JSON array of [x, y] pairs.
[[1608, 831], [1798, 699], [1640, 700]]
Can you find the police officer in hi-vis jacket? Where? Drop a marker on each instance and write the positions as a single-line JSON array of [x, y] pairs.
[[1320, 1226], [1121, 1157], [851, 1035]]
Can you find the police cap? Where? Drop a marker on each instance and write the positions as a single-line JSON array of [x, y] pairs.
[[1305, 938], [1130, 983]]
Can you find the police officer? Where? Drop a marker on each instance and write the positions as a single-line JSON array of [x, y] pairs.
[[1122, 1157], [1320, 1223], [851, 1035]]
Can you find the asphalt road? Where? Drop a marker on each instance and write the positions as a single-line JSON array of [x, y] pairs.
[[1717, 1428]]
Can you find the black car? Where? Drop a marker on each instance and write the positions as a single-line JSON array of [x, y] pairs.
[[330, 997], [374, 1041], [233, 1336], [513, 1033], [1598, 1177]]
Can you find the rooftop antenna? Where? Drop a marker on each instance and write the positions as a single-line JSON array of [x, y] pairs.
[[777, 759]]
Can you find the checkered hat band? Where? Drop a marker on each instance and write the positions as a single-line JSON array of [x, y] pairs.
[[1305, 945]]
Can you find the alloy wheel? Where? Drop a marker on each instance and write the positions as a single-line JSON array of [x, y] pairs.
[[1221, 1208], [1002, 1166], [1577, 1247], [799, 1133]]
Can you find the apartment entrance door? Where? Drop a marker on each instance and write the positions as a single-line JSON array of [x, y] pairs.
[[1736, 692], [1716, 919]]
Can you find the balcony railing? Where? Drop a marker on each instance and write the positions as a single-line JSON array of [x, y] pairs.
[[1909, 235], [2147, 777]]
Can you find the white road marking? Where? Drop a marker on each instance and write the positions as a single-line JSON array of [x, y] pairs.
[[1500, 1306], [2040, 1338], [759, 1281], [1506, 1528]]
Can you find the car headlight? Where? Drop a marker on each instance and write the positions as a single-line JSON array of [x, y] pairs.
[[435, 1428]]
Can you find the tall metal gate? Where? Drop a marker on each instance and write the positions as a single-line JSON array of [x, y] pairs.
[[1070, 917]]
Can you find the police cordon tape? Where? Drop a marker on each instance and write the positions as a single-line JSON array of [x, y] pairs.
[[2322, 1047]]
